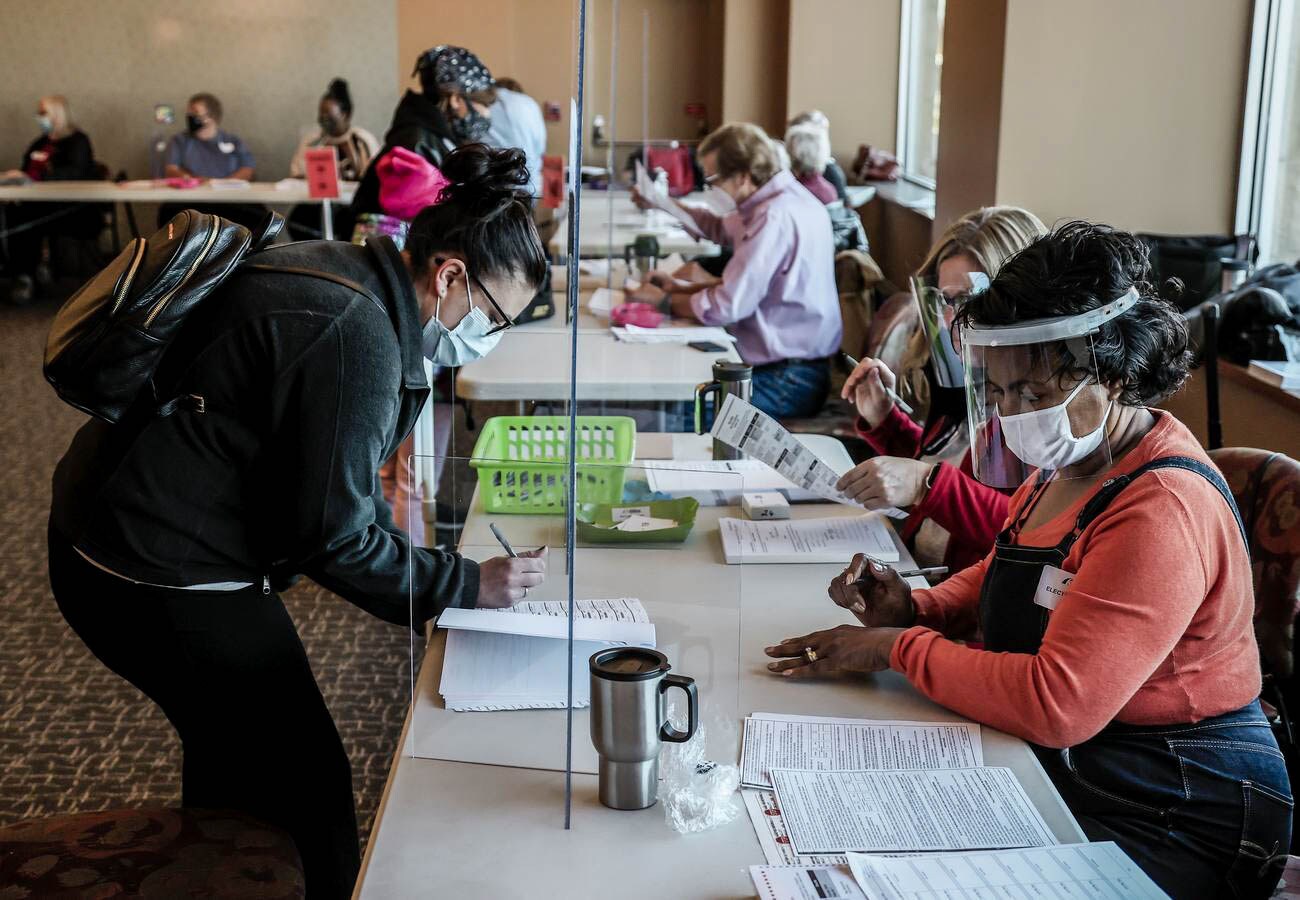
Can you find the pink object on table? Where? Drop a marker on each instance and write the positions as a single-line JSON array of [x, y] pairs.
[[182, 183], [408, 183], [642, 315]]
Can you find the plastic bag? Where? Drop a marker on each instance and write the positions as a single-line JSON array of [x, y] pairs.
[[698, 794]]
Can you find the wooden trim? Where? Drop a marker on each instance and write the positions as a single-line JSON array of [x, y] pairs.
[[1241, 375]]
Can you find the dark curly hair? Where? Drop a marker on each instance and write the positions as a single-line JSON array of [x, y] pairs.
[[1080, 266]]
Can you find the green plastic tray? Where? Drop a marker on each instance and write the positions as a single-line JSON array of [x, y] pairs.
[[592, 515]]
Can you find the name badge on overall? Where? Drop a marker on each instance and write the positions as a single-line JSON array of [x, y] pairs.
[[1052, 585]]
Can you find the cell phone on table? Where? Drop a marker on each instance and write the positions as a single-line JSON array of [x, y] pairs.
[[706, 346]]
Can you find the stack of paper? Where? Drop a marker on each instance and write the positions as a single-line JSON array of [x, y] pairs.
[[719, 482], [1066, 870], [635, 334], [518, 658], [833, 540]]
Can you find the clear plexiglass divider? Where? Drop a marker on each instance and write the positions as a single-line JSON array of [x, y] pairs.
[[491, 684]]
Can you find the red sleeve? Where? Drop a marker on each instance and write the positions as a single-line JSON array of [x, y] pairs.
[[896, 435], [973, 513]]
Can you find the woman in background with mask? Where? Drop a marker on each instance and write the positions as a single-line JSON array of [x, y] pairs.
[[452, 109], [353, 146], [168, 535], [911, 471], [1116, 606], [61, 153]]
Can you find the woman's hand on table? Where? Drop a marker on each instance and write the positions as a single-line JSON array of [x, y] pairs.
[[503, 581], [886, 481], [843, 650], [866, 389], [874, 593]]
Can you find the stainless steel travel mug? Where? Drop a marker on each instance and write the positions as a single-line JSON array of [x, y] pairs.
[[629, 722]]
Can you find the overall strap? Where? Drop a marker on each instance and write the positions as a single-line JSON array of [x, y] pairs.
[[1112, 486]]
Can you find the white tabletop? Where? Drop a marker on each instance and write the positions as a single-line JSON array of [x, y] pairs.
[[629, 222], [109, 192], [532, 363], [494, 827]]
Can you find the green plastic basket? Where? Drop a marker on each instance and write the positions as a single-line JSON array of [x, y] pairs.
[[522, 461]]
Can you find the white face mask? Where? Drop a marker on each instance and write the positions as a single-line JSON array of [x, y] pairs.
[[1042, 437], [468, 341], [717, 201]]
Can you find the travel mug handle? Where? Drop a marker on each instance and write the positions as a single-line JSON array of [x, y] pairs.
[[703, 391], [667, 732]]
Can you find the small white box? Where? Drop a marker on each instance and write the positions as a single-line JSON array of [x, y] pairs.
[[765, 505]]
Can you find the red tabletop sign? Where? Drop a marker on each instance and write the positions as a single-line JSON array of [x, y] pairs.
[[553, 181], [322, 173]]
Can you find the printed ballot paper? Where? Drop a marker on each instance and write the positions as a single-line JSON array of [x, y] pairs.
[[805, 883], [833, 540], [769, 825], [982, 808], [656, 194], [822, 744], [742, 426], [517, 658], [1067, 870]]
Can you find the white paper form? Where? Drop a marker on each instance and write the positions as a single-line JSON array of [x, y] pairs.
[[1100, 871], [833, 540], [805, 883], [634, 334], [518, 658], [982, 808], [651, 191], [744, 427], [821, 743], [769, 825]]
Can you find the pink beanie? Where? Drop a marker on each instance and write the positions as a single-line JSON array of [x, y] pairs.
[[408, 183]]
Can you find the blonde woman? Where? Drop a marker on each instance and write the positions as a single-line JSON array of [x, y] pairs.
[[907, 473], [61, 153]]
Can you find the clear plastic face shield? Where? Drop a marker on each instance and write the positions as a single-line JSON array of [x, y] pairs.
[[1032, 400], [937, 311]]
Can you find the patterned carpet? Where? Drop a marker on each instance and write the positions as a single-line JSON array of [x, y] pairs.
[[75, 737]]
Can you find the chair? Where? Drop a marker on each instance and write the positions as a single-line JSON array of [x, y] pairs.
[[1266, 487], [157, 852]]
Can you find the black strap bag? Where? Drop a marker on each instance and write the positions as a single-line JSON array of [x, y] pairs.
[[106, 342]]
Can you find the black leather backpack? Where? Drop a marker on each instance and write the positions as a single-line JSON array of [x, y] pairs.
[[107, 340]]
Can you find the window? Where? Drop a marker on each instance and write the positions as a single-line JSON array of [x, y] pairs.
[[920, 60], [1268, 194]]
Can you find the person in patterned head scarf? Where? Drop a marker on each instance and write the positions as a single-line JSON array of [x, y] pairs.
[[451, 109]]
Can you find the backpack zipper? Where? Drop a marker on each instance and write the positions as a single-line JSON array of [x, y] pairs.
[[266, 584], [166, 298], [140, 246]]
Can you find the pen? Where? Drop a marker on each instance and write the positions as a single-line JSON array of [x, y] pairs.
[[913, 573], [893, 395], [506, 544]]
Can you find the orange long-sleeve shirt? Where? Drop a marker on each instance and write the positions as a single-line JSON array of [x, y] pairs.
[[1155, 628]]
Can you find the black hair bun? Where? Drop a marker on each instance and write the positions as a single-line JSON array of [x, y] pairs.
[[338, 92], [486, 181]]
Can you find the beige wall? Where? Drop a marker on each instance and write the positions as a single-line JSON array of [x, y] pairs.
[[533, 41], [268, 62], [754, 68], [844, 61], [1124, 111]]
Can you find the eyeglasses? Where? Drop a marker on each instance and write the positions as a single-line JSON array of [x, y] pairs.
[[710, 179], [507, 321]]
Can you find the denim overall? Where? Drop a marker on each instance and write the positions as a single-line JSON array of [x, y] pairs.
[[1203, 808]]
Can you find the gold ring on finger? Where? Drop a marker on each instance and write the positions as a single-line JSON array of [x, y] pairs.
[[810, 654]]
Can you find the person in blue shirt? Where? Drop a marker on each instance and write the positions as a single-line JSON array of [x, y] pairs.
[[206, 151], [516, 121]]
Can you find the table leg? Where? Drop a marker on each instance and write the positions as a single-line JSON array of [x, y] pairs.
[[326, 221], [522, 407]]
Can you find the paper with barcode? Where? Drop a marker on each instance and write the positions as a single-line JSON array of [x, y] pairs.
[[744, 427]]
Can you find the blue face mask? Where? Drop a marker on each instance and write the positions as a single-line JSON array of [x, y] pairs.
[[44, 123], [468, 341]]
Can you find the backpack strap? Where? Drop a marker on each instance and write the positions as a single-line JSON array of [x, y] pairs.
[[266, 232], [1112, 487]]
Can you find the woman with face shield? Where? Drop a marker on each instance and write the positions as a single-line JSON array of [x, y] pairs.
[[1116, 606], [170, 535], [915, 467]]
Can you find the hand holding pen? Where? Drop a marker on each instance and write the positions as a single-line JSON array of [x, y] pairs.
[[875, 593], [871, 388], [504, 580]]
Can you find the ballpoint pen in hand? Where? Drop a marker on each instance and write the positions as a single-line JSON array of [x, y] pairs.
[[893, 395], [502, 539], [908, 573]]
